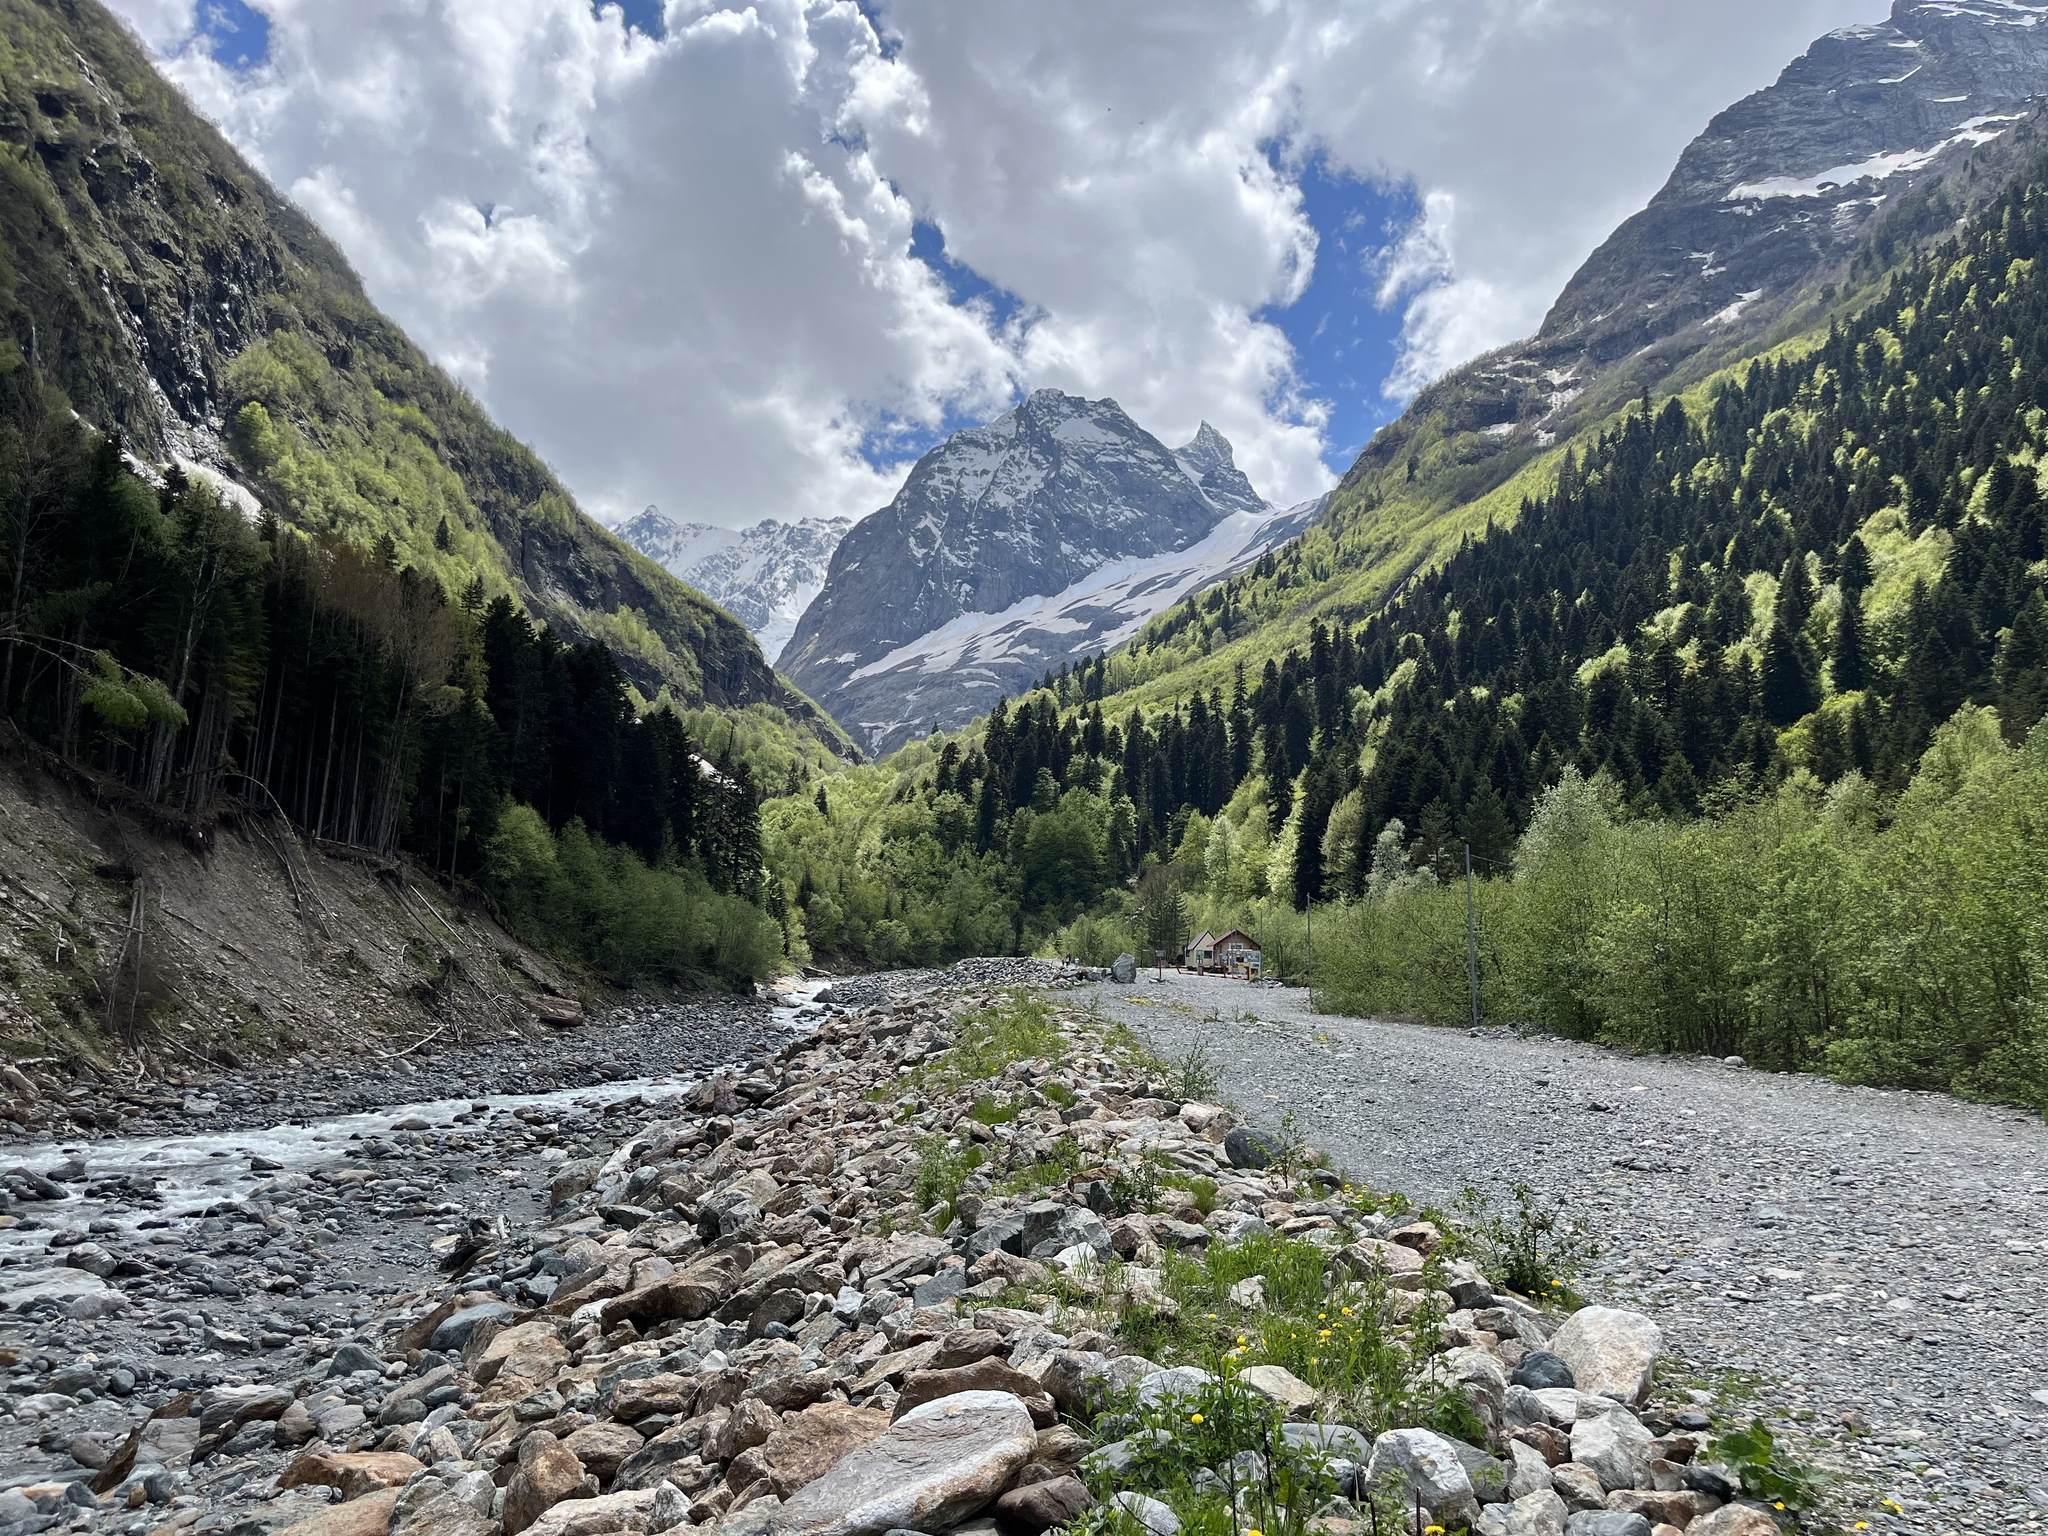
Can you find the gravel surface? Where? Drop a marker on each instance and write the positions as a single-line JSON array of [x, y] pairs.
[[1828, 1253]]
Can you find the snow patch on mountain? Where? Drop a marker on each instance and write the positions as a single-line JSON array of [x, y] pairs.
[[764, 576]]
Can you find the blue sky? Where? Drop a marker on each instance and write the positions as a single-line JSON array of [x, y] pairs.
[[1345, 343], [716, 325], [238, 36]]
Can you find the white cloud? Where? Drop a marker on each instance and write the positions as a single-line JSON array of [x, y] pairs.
[[680, 267]]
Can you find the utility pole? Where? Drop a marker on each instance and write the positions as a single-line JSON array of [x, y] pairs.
[[1471, 938]]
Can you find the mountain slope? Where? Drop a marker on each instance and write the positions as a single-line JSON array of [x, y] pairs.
[[1782, 212], [995, 562], [764, 576], [178, 299]]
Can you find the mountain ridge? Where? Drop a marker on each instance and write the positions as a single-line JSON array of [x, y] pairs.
[[180, 301], [987, 569]]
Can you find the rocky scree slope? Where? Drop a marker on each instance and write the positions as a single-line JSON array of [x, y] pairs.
[[122, 946], [739, 1318], [765, 576], [1789, 206], [167, 288], [1056, 495]]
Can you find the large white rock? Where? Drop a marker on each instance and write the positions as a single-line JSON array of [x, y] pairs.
[[1616, 1446], [937, 1465], [1428, 1464], [1537, 1514], [1612, 1352]]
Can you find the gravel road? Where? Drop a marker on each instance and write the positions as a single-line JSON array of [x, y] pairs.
[[1825, 1252]]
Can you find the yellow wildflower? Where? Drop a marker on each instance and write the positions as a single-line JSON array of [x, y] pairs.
[[1194, 1418]]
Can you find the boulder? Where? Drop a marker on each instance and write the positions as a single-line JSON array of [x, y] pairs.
[[1279, 1385], [1148, 1514], [811, 1443], [1428, 1465], [1541, 1370], [1182, 1381], [986, 1375], [548, 1473], [1124, 969], [1610, 1352], [457, 1506], [1578, 1486], [602, 1447], [1536, 1514], [1042, 1506], [367, 1516], [531, 1350], [1078, 1379], [1615, 1447], [611, 1514], [354, 1474], [1369, 1256], [451, 1335], [933, 1468], [1606, 1522], [1247, 1148], [1734, 1520]]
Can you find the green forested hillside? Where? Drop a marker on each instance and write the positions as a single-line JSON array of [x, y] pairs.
[[1785, 579], [177, 299]]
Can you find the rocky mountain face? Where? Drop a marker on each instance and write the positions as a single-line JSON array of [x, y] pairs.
[[764, 576], [1763, 215], [1043, 537], [1786, 213], [147, 268]]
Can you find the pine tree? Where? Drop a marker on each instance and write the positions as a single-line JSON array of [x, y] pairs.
[[1787, 693], [2023, 670], [1846, 665]]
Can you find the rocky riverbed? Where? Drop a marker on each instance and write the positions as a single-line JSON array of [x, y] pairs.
[[1864, 1265], [757, 1300]]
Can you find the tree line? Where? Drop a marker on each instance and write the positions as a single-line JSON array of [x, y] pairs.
[[197, 660], [1784, 583]]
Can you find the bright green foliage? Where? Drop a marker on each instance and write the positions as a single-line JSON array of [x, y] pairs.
[[1534, 1248], [1897, 942], [582, 897], [941, 1172], [1187, 1451], [1766, 1470], [1020, 1028]]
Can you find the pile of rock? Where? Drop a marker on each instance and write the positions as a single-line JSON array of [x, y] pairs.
[[804, 1306]]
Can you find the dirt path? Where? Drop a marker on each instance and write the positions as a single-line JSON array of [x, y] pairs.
[[1834, 1251]]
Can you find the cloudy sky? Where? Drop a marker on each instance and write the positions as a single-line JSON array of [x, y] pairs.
[[747, 261]]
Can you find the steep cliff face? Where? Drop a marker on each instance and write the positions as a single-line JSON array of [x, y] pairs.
[[1040, 538], [168, 289]]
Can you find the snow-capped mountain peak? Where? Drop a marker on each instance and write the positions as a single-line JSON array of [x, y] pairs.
[[1043, 537], [764, 576]]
